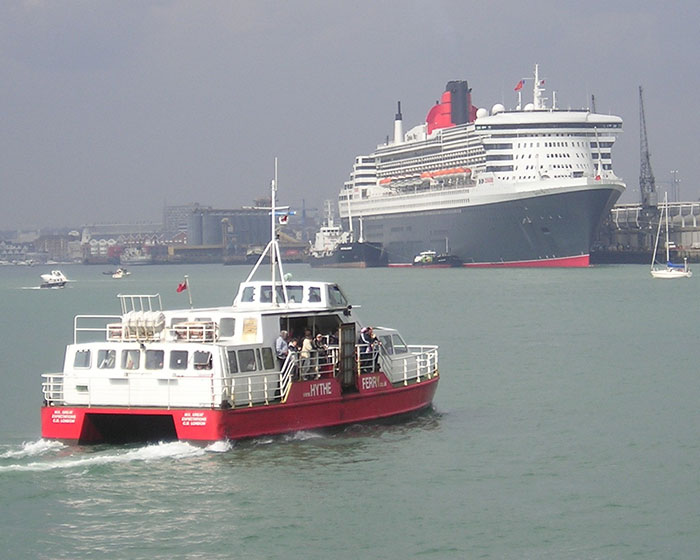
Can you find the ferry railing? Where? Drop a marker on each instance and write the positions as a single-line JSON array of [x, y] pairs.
[[318, 363], [92, 324], [195, 331], [416, 364], [52, 387], [140, 302], [367, 359]]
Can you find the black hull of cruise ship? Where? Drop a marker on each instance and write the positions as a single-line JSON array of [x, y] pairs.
[[546, 230], [353, 255]]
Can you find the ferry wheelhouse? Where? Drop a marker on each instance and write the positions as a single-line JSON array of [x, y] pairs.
[[211, 374]]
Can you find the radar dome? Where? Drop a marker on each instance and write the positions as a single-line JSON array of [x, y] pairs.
[[529, 107], [497, 108], [481, 112]]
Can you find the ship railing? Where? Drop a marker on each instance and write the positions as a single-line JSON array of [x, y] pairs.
[[140, 302], [418, 363], [259, 388], [52, 387], [367, 359], [195, 331], [318, 363], [93, 324], [135, 390]]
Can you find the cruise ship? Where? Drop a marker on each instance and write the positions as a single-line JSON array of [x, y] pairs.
[[518, 188]]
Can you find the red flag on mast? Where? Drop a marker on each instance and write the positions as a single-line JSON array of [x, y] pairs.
[[181, 287], [520, 85]]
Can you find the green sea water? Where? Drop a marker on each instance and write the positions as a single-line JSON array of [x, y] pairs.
[[565, 425]]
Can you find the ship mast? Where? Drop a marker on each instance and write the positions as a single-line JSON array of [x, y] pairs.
[[537, 89], [273, 246]]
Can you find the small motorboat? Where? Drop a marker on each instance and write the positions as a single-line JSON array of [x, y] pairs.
[[431, 259], [53, 279], [120, 273]]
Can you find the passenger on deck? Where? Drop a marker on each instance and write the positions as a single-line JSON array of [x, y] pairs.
[[305, 354], [282, 347], [294, 351], [369, 355], [321, 351]]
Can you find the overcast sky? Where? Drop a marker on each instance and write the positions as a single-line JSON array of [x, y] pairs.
[[111, 109]]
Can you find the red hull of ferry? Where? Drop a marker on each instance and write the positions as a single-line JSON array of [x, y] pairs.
[[310, 405]]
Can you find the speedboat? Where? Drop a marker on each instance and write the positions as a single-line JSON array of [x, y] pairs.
[[53, 279]]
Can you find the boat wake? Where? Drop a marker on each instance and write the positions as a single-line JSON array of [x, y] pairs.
[[33, 449], [148, 453], [219, 447]]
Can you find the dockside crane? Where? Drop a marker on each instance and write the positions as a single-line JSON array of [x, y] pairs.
[[647, 185]]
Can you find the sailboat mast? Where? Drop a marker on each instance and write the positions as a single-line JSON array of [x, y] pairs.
[[656, 243], [668, 254]]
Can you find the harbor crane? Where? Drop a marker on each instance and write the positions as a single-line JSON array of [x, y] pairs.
[[647, 185]]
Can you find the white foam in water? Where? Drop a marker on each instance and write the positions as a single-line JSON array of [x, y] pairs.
[[33, 448], [173, 450], [303, 435], [219, 447]]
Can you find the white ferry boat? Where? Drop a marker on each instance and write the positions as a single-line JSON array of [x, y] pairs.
[[522, 187], [215, 373]]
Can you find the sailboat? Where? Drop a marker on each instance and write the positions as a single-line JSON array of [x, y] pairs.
[[670, 270]]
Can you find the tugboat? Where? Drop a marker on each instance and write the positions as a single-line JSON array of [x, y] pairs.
[[335, 248], [53, 279], [212, 374]]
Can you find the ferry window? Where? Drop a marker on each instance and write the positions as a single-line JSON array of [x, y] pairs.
[[385, 339], [267, 359], [82, 359], [202, 360], [295, 293], [106, 359], [314, 294], [247, 360], [154, 359], [177, 321], [232, 362], [130, 359], [399, 345], [266, 294], [248, 294], [227, 326], [336, 297], [178, 359]]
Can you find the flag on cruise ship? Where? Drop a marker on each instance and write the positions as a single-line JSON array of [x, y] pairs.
[[181, 287], [283, 219], [520, 85]]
